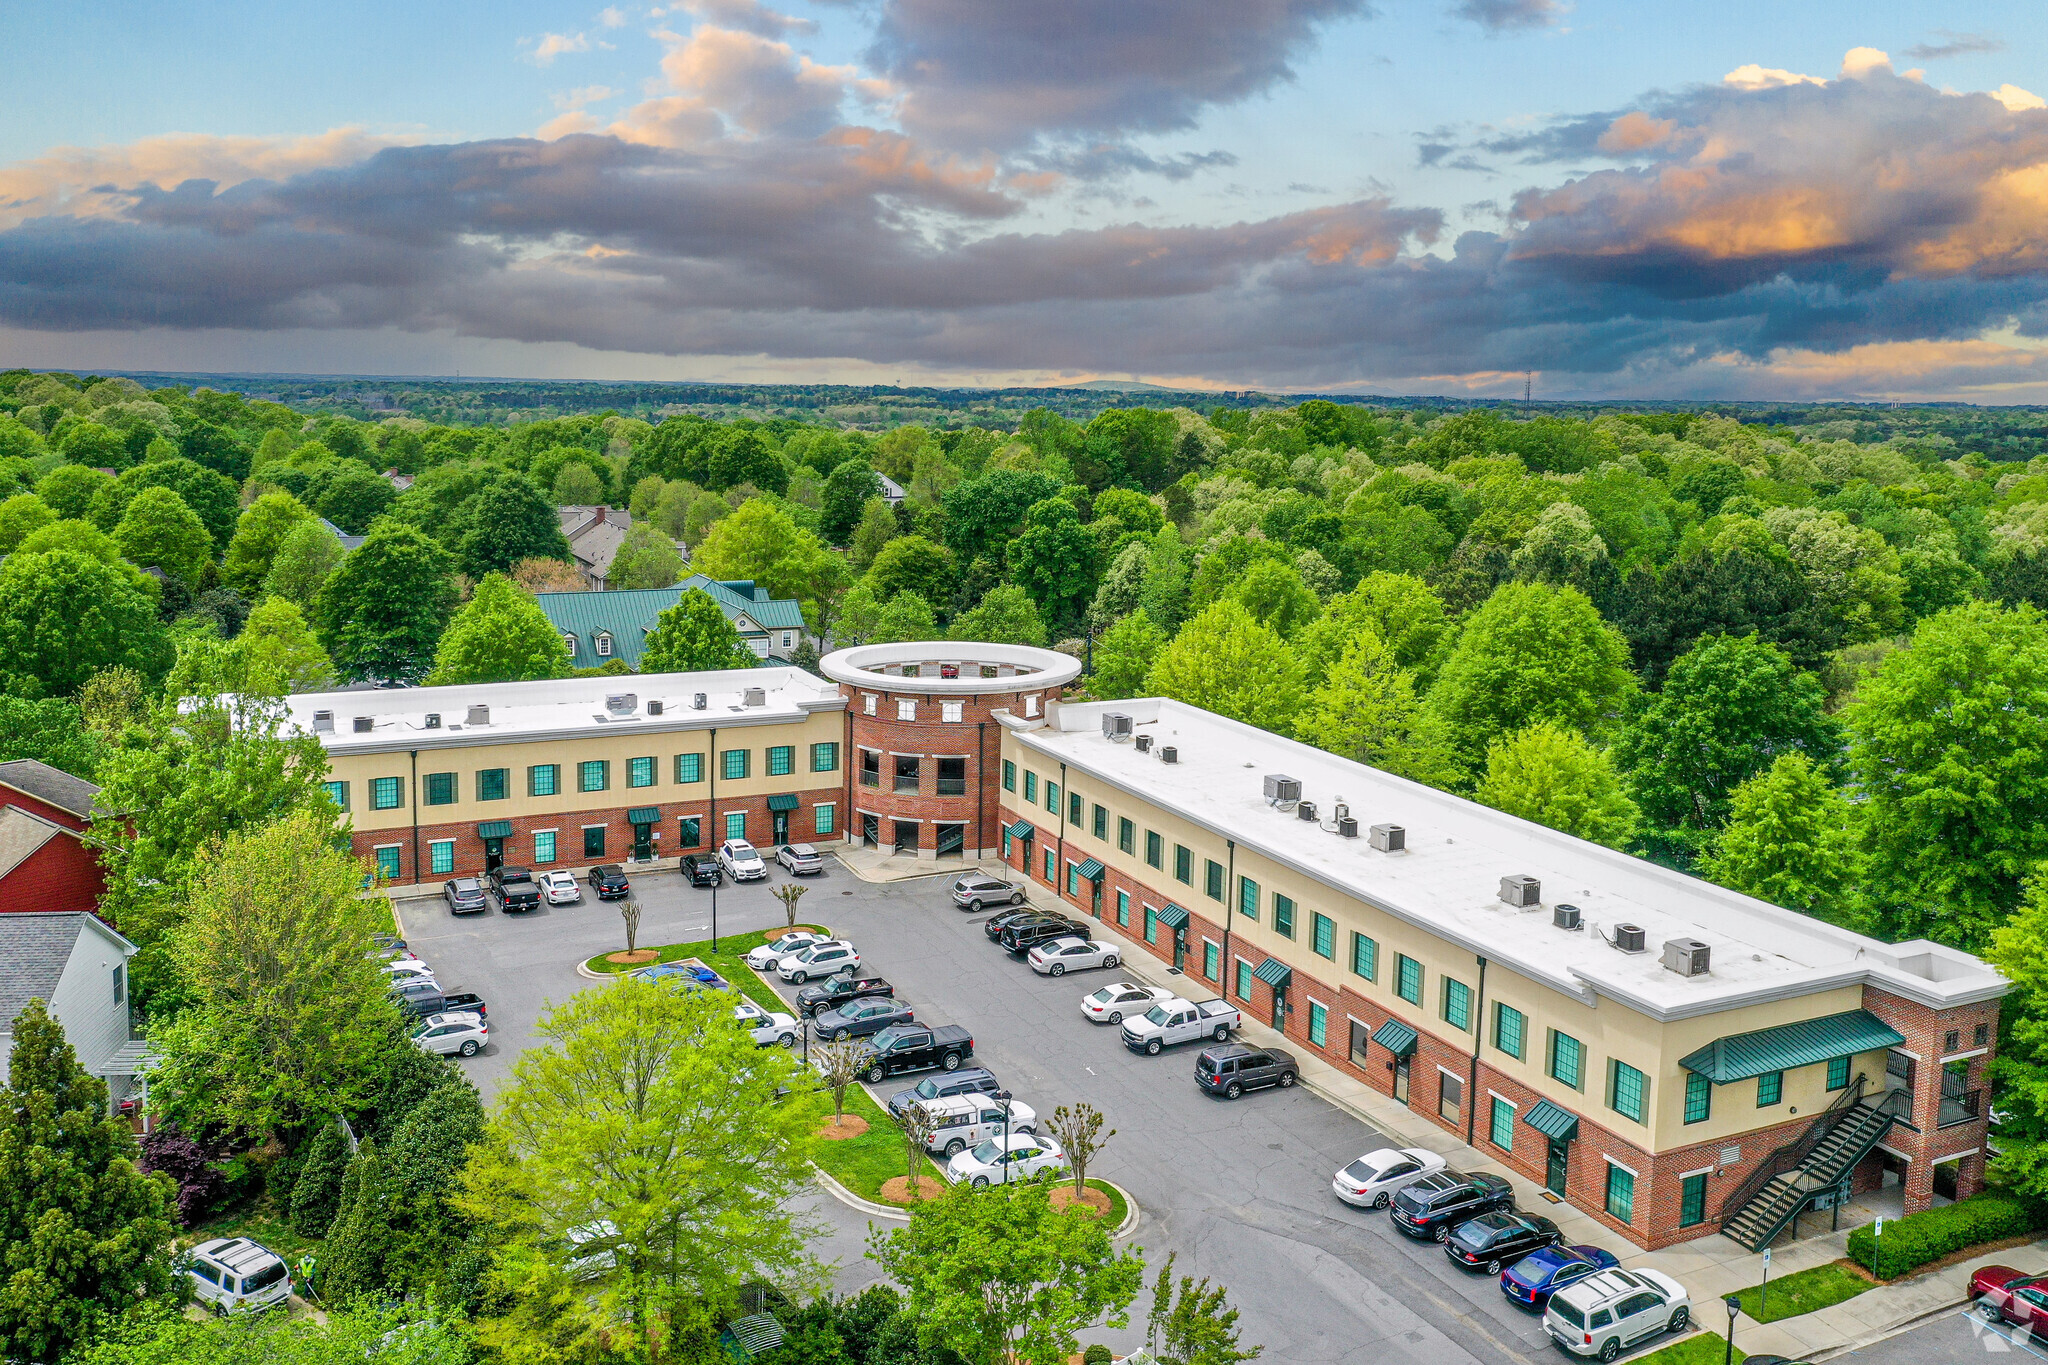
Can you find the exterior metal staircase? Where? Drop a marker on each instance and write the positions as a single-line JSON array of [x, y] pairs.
[[1818, 1161]]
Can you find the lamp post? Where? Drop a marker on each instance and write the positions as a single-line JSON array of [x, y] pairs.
[[1734, 1310], [1003, 1098]]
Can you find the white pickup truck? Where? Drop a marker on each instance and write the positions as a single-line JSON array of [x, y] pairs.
[[1180, 1021]]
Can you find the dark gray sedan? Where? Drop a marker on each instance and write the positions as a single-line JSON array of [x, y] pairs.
[[861, 1018]]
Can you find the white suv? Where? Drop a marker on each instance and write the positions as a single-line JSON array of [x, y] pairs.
[[1603, 1314], [828, 958], [457, 1032], [236, 1275]]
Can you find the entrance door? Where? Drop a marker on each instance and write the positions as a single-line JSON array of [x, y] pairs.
[[780, 819], [871, 830], [1554, 1167], [494, 855], [1180, 954], [1401, 1080], [1279, 997], [1095, 898], [643, 843]]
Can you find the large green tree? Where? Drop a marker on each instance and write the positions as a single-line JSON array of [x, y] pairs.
[[1790, 839], [846, 492], [913, 564], [214, 498], [1226, 662], [505, 521], [1054, 559], [305, 558], [1124, 655], [396, 1231], [65, 617], [83, 1234], [761, 542], [694, 636], [984, 513], [646, 559], [499, 635], [1551, 775], [1398, 608], [161, 1334], [158, 531], [20, 517], [69, 489], [1004, 616], [2019, 948], [279, 653], [381, 612], [258, 535], [1366, 710], [50, 731], [353, 497]]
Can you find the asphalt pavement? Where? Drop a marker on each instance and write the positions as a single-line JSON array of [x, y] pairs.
[[1959, 1337]]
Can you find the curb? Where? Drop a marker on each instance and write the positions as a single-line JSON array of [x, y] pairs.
[[1130, 1223], [854, 1201]]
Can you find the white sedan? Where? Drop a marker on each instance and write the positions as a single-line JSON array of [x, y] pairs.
[[406, 971], [461, 1033], [765, 1028], [741, 861], [768, 956], [1064, 955], [559, 888], [1029, 1156], [1370, 1181], [1110, 1004]]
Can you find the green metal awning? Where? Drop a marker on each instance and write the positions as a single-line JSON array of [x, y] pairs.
[[1807, 1043], [1173, 917], [494, 829], [1023, 829], [1091, 868], [1553, 1121], [786, 802], [1397, 1038], [644, 815], [1274, 973]]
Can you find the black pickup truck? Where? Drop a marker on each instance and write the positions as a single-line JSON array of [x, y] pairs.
[[914, 1047], [515, 889], [835, 991]]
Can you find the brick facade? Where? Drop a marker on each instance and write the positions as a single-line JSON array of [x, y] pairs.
[[1929, 1042], [975, 738]]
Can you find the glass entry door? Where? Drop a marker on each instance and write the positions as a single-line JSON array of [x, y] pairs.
[[1554, 1167], [781, 821], [494, 855], [643, 843], [1401, 1080]]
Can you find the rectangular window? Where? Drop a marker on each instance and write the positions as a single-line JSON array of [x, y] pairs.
[[1457, 1004], [781, 760], [822, 819], [1365, 957], [1209, 957], [1692, 1200], [543, 779], [909, 768], [1361, 1038], [1126, 835], [1509, 1028], [1500, 1125], [387, 793], [906, 708], [1627, 1090], [387, 864], [337, 792], [690, 832], [1009, 776], [640, 772], [1838, 1073], [593, 775], [1408, 978], [1621, 1192], [1248, 898], [689, 768], [1101, 825], [1031, 789], [825, 757], [1052, 797], [735, 824], [1699, 1098], [593, 841], [1567, 1059], [1325, 937], [1450, 1095], [867, 702], [1074, 879], [1123, 909], [952, 777], [1151, 925], [120, 983], [1155, 849], [1770, 1089], [1318, 1023], [1244, 980], [735, 764], [1074, 805], [950, 712], [492, 784], [441, 856], [870, 768], [1047, 875], [1283, 914], [440, 789], [1183, 865], [544, 846], [1212, 879]]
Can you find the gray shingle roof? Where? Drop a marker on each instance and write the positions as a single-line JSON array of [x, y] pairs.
[[34, 947], [53, 785]]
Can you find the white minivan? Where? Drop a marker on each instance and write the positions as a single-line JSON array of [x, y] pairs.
[[236, 1275], [963, 1121]]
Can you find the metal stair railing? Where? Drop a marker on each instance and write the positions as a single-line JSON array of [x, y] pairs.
[[1766, 1214], [1788, 1158]]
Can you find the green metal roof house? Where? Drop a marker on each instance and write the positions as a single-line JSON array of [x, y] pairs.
[[602, 626]]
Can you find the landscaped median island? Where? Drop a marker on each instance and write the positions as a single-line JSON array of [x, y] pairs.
[[727, 959], [1701, 1348]]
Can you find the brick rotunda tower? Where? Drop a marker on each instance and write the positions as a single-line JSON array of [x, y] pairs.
[[924, 750]]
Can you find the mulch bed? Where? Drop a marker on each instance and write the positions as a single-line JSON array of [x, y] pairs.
[[637, 955], [1064, 1197], [845, 1126], [896, 1190]]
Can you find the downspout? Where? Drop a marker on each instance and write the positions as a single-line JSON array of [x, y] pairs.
[[1059, 861], [846, 766], [1472, 1076], [1229, 916], [711, 820], [415, 795]]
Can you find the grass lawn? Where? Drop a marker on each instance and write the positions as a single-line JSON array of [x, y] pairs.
[[863, 1163], [1119, 1209], [1701, 1348], [727, 961], [258, 1222], [1807, 1291]]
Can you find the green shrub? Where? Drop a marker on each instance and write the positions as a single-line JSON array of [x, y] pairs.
[[1913, 1241], [1098, 1354], [316, 1191]]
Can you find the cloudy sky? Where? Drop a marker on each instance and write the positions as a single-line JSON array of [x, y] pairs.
[[1731, 199]]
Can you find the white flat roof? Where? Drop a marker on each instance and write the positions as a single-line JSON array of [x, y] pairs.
[[1018, 667], [565, 708], [1447, 881]]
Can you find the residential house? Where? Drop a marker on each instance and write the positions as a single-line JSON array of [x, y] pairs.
[[45, 861], [79, 966], [601, 626], [595, 535], [348, 542], [892, 491]]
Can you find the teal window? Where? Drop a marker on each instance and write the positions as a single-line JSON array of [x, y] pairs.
[[1770, 1089], [1248, 898], [1325, 937], [1699, 1098], [1009, 776], [1209, 960], [1567, 1059], [337, 792], [1048, 868], [1510, 1027], [1692, 1200], [387, 793], [544, 846], [1151, 925], [1365, 957], [822, 819], [440, 789], [1183, 865], [736, 823], [543, 779], [1123, 909], [1318, 1023], [781, 760], [689, 767], [690, 833], [1621, 1192], [441, 856], [593, 775], [1500, 1125], [1212, 879], [593, 841], [1283, 914], [1074, 805], [1244, 981], [1627, 1090], [1457, 1004], [1031, 788], [1101, 825], [1052, 796], [387, 864], [492, 784], [1126, 835], [1408, 978], [825, 757], [735, 764], [1073, 879], [1006, 843], [1155, 849], [1838, 1073], [640, 772]]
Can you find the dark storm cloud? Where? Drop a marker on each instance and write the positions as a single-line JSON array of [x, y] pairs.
[[1955, 45]]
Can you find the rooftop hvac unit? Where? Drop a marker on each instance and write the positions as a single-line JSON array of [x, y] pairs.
[[699, 702], [1116, 726], [323, 722], [1628, 938], [1521, 892], [622, 703], [754, 696], [479, 715], [1687, 956], [1168, 754], [1307, 811], [1282, 791], [433, 720], [1566, 917], [653, 708], [364, 724], [1347, 827], [1144, 743], [1389, 838]]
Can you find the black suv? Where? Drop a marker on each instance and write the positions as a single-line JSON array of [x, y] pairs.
[[1029, 933], [1435, 1204], [833, 992], [1232, 1069], [701, 869], [608, 880]]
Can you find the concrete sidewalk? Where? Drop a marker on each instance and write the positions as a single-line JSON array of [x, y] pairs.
[[1709, 1267]]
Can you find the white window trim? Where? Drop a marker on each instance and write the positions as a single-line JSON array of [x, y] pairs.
[[1452, 1074], [1624, 1165], [868, 703], [1704, 1170], [1955, 1156], [1893, 1151], [1964, 1056], [1906, 1052], [1495, 1094], [950, 712], [381, 847], [1031, 705], [906, 708], [586, 827], [1324, 1003]]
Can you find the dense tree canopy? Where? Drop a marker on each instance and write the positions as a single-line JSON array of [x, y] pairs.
[[499, 635]]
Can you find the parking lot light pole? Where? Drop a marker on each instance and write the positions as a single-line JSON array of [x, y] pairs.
[[1734, 1308], [1003, 1098]]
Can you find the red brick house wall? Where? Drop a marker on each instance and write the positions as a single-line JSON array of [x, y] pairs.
[[61, 875]]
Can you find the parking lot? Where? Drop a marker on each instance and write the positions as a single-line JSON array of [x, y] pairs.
[[1241, 1190]]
